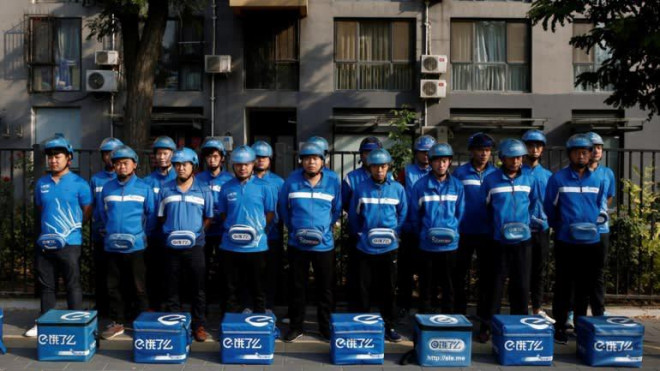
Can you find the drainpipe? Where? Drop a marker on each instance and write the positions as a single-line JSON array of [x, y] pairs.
[[112, 95], [213, 50], [427, 50]]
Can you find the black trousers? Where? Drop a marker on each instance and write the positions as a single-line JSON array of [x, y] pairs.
[[244, 273], [376, 276], [100, 280], [407, 269], [127, 295], [485, 248], [273, 270], [540, 250], [578, 268], [154, 259], [323, 264], [435, 270], [512, 261], [212, 274], [600, 283], [49, 264], [188, 262]]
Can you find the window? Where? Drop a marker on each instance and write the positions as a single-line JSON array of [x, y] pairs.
[[490, 55], [374, 55], [271, 51], [53, 54], [587, 62], [180, 66], [510, 1]]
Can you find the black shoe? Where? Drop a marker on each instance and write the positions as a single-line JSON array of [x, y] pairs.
[[292, 336], [325, 335], [484, 333], [561, 337], [392, 336], [403, 313]]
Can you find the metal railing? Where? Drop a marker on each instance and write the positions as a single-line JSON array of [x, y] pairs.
[[631, 269]]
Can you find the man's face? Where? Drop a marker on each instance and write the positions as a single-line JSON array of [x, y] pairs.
[[184, 170], [580, 157], [213, 160], [481, 155], [597, 154], [440, 166], [58, 161], [422, 157], [243, 171], [512, 164], [534, 149], [312, 164], [379, 172], [124, 167], [163, 157], [105, 157], [263, 163]]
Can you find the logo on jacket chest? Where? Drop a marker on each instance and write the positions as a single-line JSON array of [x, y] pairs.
[[232, 197]]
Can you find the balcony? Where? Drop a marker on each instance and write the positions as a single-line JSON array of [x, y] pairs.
[[241, 5]]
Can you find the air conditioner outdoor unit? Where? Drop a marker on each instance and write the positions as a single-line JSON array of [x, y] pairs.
[[217, 63], [432, 89], [102, 80], [106, 57], [434, 64]]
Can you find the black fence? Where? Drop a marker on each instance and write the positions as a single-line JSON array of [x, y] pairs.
[[631, 270]]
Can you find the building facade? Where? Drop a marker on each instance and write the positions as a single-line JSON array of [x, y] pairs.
[[311, 67]]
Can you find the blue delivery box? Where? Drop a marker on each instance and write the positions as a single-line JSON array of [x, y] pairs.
[[66, 335], [610, 341], [161, 337], [3, 349], [443, 340], [248, 338], [523, 340], [357, 339]]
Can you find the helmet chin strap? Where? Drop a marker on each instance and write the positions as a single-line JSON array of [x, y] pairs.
[[312, 174], [184, 180]]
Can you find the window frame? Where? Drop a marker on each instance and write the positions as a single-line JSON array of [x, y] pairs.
[[30, 44], [288, 18], [184, 60], [472, 64], [391, 61], [593, 65]]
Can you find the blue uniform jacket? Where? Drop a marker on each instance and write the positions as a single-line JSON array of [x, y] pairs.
[[61, 205], [246, 203], [570, 199], [377, 205], [509, 200], [475, 220], [351, 182], [412, 173], [317, 208], [539, 219], [185, 211], [437, 204], [128, 208], [276, 181], [156, 180], [607, 175], [96, 184], [215, 186]]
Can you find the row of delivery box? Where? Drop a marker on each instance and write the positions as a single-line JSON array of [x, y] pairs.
[[440, 340]]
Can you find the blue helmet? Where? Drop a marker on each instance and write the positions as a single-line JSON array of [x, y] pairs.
[[124, 151], [262, 149], [370, 144], [213, 143], [440, 150], [164, 142], [480, 140], [58, 141], [424, 143], [534, 136], [579, 141], [109, 144], [379, 156], [512, 148], [311, 149], [321, 142], [243, 155], [185, 154], [595, 138]]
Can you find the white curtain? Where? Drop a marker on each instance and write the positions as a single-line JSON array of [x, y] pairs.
[[490, 47], [67, 54]]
